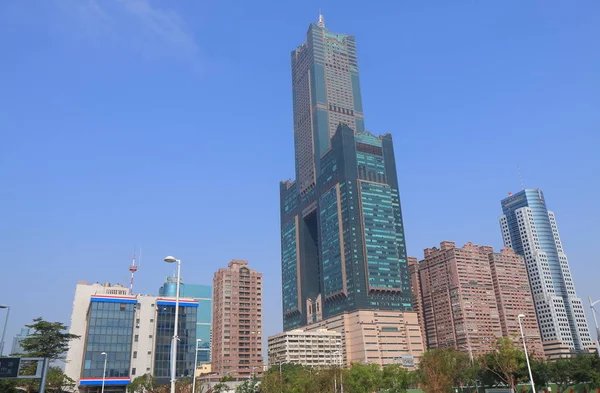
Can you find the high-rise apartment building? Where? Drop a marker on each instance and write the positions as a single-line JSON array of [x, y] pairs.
[[415, 293], [513, 297], [237, 321], [342, 234], [203, 295], [318, 348], [464, 303], [529, 228], [134, 331]]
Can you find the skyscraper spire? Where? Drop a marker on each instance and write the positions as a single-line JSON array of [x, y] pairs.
[[321, 20]]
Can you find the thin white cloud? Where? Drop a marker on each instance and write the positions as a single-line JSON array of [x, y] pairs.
[[165, 24], [151, 30]]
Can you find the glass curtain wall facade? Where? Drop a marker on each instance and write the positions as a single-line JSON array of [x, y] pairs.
[[110, 330], [530, 229], [203, 294], [348, 253], [165, 323], [342, 235]]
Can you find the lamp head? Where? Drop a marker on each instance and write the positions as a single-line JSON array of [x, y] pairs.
[[521, 316], [170, 259], [103, 354], [3, 306]]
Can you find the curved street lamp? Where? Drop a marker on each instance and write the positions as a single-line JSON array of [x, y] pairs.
[[198, 341], [4, 330], [594, 312], [526, 356], [172, 259], [104, 372]]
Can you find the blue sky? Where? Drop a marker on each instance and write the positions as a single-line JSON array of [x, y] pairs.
[[168, 125]]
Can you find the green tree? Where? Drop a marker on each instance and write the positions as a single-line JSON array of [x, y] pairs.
[[8, 386], [506, 363], [58, 382], [48, 340], [563, 373], [222, 385], [142, 384], [442, 369], [587, 370], [248, 386], [540, 369], [396, 379], [363, 378]]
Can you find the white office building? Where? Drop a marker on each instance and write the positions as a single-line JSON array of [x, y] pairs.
[[315, 348], [530, 229]]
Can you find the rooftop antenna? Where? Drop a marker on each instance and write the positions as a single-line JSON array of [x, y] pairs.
[[133, 268], [321, 20], [520, 178]]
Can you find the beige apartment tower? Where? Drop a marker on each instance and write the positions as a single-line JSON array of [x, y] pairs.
[[237, 321], [471, 296]]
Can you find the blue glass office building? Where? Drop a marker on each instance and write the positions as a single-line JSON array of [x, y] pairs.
[[202, 294], [342, 236], [531, 230], [110, 331], [165, 323]]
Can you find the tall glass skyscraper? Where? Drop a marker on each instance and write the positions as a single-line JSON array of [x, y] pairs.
[[342, 236], [530, 229]]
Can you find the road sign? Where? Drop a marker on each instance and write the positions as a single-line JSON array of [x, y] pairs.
[[9, 367]]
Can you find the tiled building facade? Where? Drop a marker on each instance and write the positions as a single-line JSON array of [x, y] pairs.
[[464, 303], [415, 291], [237, 321], [377, 337], [513, 296]]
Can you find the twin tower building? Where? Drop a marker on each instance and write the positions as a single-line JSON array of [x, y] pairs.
[[344, 261]]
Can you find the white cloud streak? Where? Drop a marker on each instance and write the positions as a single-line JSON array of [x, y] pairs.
[[151, 30]]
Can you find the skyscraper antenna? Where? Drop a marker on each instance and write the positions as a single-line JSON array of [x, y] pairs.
[[321, 19], [133, 268], [520, 178]]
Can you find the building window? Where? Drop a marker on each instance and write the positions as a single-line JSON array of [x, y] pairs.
[[133, 371]]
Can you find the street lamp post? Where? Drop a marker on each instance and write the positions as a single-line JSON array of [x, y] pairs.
[[4, 330], [592, 304], [526, 355], [104, 372], [339, 363], [280, 378], [171, 259], [195, 366]]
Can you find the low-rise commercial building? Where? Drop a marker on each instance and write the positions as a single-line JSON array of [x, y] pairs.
[[318, 348], [377, 336], [132, 332]]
